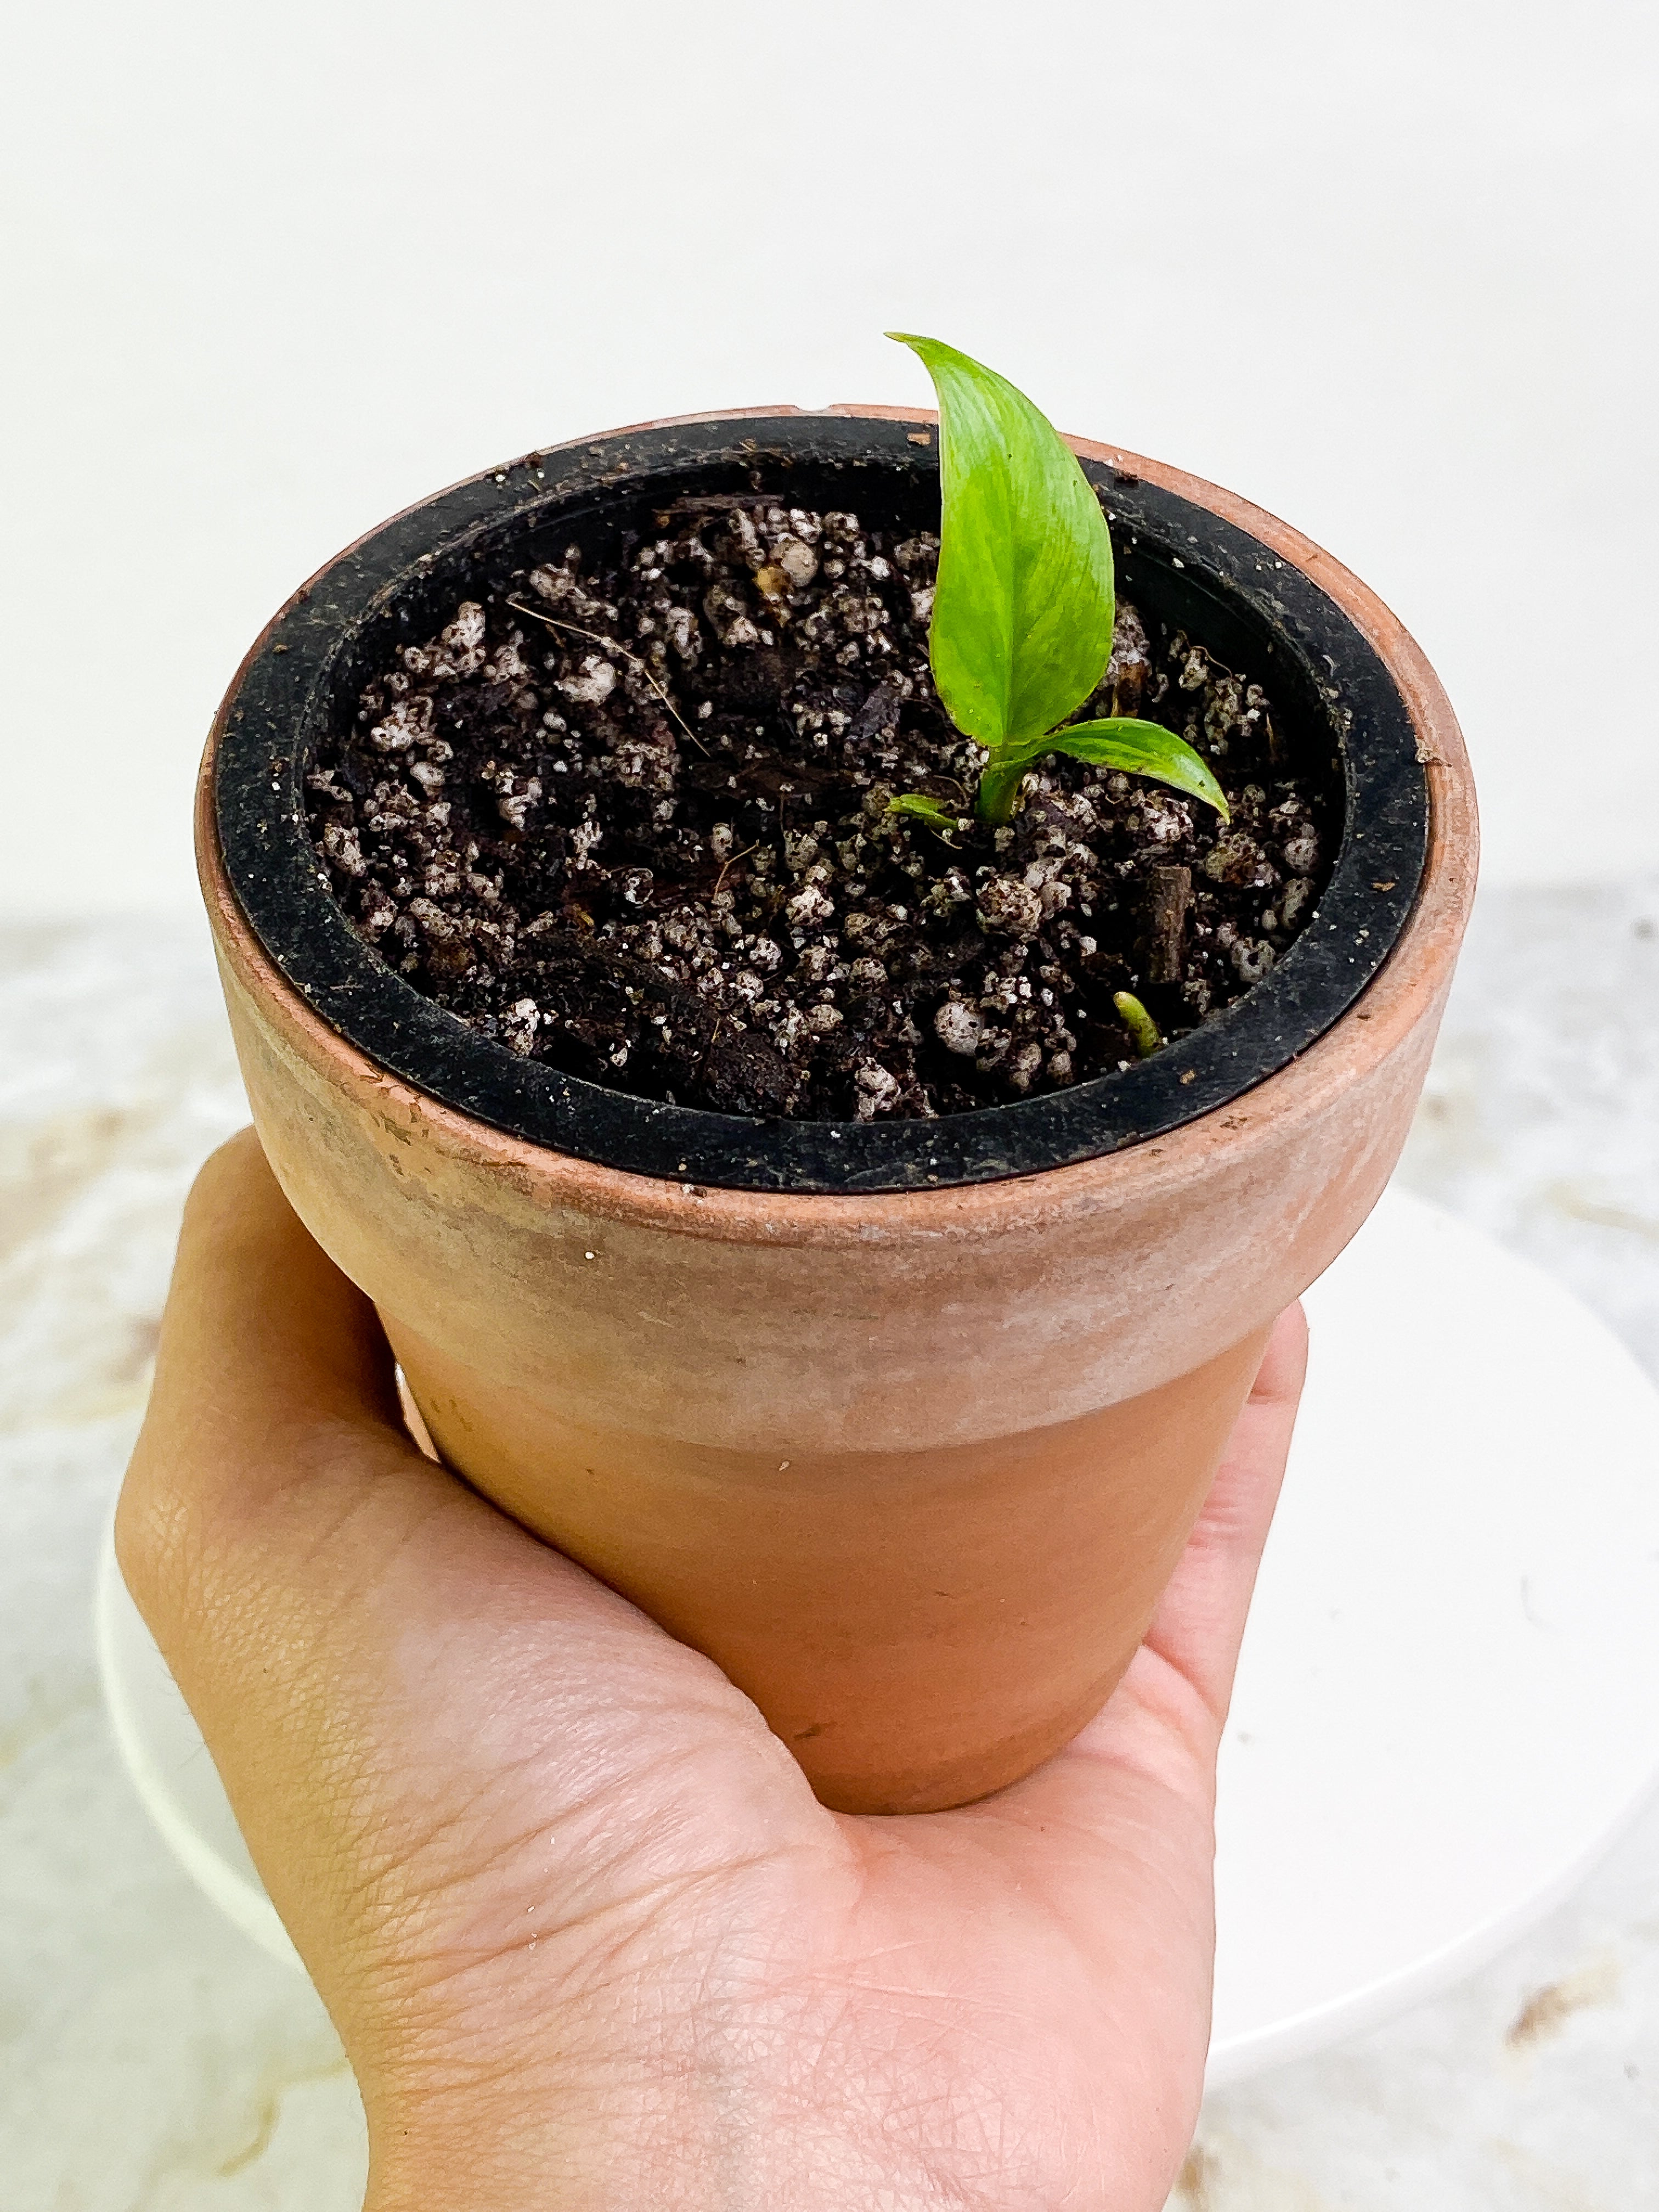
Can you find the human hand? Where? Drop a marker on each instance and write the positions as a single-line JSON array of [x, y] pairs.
[[587, 1936]]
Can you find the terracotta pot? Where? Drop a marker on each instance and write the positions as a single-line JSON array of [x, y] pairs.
[[912, 1462]]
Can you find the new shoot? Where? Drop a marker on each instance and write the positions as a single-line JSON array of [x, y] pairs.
[[1139, 1022]]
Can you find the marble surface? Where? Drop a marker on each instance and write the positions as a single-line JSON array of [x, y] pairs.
[[152, 2061]]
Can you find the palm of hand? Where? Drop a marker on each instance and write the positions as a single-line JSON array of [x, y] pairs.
[[587, 1934]]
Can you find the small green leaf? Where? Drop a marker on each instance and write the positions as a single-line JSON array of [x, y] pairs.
[[1022, 622], [1139, 1022], [925, 810], [1139, 749]]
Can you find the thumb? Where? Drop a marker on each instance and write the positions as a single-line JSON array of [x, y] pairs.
[[273, 1452], [365, 1643]]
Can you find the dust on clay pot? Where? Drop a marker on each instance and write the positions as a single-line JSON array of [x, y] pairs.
[[900, 1406]]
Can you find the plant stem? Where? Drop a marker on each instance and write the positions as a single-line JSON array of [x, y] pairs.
[[999, 787]]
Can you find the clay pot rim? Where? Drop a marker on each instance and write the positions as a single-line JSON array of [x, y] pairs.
[[1190, 566], [1384, 1015]]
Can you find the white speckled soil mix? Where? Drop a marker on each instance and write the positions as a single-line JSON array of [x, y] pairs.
[[634, 823]]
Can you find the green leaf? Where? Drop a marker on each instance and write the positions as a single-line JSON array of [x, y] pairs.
[[1139, 749], [1022, 623], [925, 810]]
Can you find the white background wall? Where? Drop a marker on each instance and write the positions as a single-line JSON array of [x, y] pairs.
[[273, 270]]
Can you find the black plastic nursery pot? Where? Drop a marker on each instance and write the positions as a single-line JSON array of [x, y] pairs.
[[1186, 567]]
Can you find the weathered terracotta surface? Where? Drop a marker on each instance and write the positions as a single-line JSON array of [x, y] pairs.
[[912, 1468]]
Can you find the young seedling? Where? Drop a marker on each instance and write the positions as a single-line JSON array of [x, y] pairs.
[[1022, 621], [1140, 1023]]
